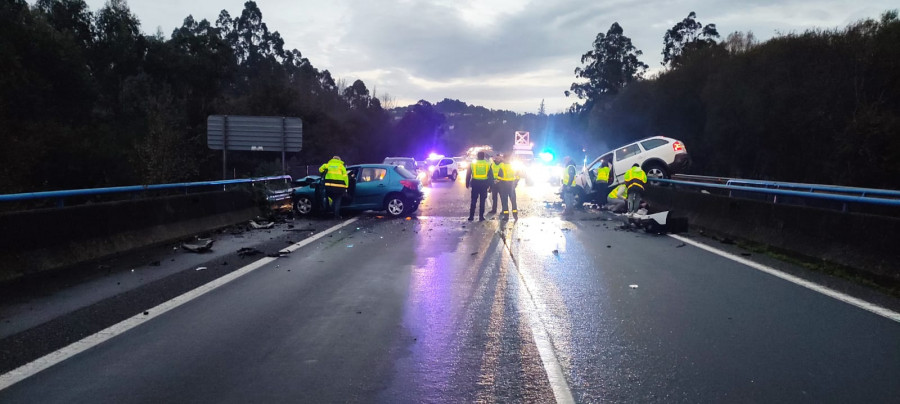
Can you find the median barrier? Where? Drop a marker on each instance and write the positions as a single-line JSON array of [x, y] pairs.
[[41, 240], [860, 242]]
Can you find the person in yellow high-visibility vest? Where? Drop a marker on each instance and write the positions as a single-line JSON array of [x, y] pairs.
[[602, 182], [635, 181], [494, 187], [568, 186], [479, 176], [507, 180], [336, 182], [615, 201]]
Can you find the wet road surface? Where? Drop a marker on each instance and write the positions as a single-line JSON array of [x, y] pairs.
[[437, 309]]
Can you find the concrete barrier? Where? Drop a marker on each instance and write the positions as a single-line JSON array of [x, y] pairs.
[[46, 239], [864, 243]]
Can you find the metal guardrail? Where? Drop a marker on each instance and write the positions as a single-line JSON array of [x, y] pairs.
[[862, 192], [61, 195], [802, 194]]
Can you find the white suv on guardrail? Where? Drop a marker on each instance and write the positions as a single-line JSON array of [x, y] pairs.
[[658, 156]]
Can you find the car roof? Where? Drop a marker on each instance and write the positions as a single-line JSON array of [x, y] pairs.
[[388, 166], [399, 158]]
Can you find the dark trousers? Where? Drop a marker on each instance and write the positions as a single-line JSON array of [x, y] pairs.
[[495, 192], [507, 196], [634, 198], [479, 192], [336, 194]]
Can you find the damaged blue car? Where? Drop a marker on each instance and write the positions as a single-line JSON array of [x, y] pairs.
[[380, 187]]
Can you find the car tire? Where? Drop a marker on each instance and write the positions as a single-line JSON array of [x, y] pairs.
[[657, 171], [454, 175], [396, 205], [303, 206]]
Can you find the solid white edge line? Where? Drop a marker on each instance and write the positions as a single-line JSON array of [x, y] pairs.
[[293, 247], [862, 304], [30, 369], [561, 390]]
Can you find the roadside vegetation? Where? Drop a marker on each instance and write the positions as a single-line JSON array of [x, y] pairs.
[[88, 100]]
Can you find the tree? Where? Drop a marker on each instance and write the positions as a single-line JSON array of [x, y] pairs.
[[686, 36], [739, 42], [541, 110], [608, 67], [357, 95]]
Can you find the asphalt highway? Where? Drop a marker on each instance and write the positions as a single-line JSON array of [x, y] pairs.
[[433, 308]]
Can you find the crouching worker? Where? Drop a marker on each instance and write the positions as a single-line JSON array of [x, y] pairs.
[[336, 182], [615, 201]]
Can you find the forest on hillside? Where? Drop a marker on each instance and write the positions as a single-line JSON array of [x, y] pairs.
[[88, 100]]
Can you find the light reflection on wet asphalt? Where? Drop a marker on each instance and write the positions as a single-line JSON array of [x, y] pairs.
[[433, 308], [614, 343]]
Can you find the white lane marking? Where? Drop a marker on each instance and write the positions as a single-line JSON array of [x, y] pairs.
[[30, 369], [881, 311], [293, 247], [561, 391]]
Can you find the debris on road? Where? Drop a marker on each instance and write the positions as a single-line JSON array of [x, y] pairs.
[[680, 245], [199, 246], [264, 225], [154, 264], [349, 245], [248, 251], [555, 252], [633, 286], [200, 268]]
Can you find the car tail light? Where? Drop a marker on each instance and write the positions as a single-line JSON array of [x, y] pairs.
[[677, 146], [411, 184]]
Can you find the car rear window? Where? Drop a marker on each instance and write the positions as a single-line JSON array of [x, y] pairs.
[[404, 173], [653, 143]]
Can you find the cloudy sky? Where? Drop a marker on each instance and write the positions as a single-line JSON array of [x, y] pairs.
[[501, 54]]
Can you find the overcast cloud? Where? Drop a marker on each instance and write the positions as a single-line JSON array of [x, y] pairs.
[[502, 54]]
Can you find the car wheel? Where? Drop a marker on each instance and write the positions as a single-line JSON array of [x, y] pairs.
[[454, 176], [657, 171], [303, 205], [396, 205]]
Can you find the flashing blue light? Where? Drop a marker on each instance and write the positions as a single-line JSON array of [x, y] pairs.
[[546, 156]]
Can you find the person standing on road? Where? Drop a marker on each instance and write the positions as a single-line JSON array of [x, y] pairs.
[[635, 180], [507, 180], [568, 189], [602, 181], [336, 182], [494, 186], [479, 177]]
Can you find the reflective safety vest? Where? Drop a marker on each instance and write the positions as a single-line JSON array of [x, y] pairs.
[[495, 168], [619, 192], [480, 170], [603, 174], [335, 173], [635, 177], [565, 177], [505, 172]]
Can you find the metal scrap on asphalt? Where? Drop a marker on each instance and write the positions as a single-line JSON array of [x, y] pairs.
[[255, 225], [198, 246]]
